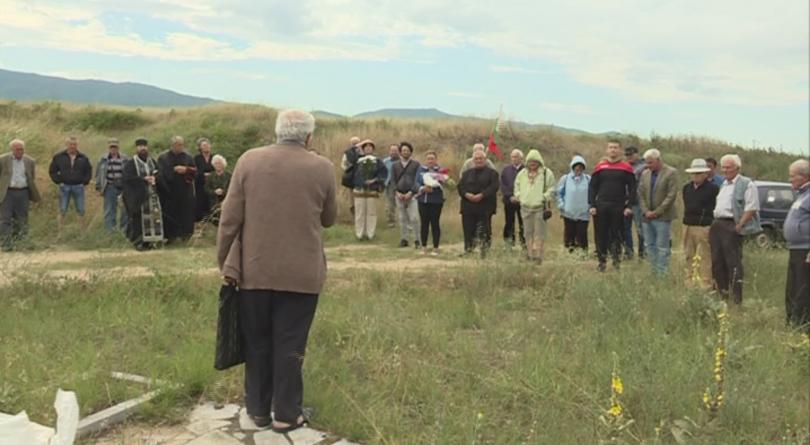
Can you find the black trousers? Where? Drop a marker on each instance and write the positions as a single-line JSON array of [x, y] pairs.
[[609, 232], [477, 230], [275, 326], [13, 217], [511, 212], [429, 216], [575, 234], [727, 259], [797, 289]]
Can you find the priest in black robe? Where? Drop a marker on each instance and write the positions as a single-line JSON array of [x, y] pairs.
[[137, 176], [175, 185]]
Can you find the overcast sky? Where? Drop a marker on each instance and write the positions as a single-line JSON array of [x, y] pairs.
[[727, 69]]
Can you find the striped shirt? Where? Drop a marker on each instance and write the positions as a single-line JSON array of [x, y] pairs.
[[115, 169]]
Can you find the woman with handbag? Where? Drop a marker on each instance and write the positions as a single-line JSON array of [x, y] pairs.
[[534, 191]]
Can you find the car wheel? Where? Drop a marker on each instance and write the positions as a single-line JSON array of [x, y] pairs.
[[763, 240]]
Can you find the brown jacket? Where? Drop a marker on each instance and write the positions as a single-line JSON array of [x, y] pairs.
[[30, 176], [666, 193], [269, 236]]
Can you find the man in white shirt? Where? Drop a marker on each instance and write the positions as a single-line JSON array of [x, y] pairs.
[[18, 188], [735, 215]]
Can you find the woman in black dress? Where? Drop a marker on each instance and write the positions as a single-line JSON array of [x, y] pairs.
[[202, 160]]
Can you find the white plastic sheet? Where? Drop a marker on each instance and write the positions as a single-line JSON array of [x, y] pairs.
[[67, 420], [19, 430]]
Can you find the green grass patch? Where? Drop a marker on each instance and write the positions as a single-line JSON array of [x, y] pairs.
[[498, 351]]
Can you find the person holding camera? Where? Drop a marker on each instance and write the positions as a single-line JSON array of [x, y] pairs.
[[534, 191]]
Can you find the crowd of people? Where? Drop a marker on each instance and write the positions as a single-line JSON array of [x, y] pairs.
[[623, 190], [271, 216], [189, 189]]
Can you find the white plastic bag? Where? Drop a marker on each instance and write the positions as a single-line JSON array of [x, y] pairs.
[[67, 417], [18, 430]]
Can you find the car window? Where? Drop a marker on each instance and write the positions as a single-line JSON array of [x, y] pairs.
[[781, 198]]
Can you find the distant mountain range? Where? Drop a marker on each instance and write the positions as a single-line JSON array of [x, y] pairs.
[[433, 113], [31, 87], [34, 87]]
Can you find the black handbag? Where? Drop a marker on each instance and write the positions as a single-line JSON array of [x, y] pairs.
[[230, 344]]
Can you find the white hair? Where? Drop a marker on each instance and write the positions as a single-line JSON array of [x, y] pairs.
[[652, 154], [16, 142], [517, 152], [478, 147], [735, 159], [219, 158], [801, 167], [294, 125]]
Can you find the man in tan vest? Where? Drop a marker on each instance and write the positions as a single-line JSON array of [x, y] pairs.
[[269, 243], [18, 188]]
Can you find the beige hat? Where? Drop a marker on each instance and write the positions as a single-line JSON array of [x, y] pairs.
[[698, 166], [362, 143], [112, 142]]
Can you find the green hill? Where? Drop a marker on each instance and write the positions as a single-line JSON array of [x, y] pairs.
[[34, 87]]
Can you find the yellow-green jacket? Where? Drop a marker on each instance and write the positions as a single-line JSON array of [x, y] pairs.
[[532, 194]]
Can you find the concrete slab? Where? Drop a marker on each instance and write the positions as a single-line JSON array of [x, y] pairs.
[[210, 411], [245, 422], [215, 438], [201, 427], [306, 436], [270, 438]]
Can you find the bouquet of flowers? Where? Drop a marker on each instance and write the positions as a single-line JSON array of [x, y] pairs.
[[368, 167], [438, 179]]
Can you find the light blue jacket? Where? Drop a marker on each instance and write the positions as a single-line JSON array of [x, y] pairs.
[[389, 165], [572, 193], [797, 224]]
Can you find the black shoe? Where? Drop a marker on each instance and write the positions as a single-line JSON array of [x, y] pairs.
[[261, 421], [602, 267], [417, 244], [403, 243]]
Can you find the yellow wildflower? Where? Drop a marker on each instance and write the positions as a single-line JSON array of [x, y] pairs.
[[616, 384], [615, 410]]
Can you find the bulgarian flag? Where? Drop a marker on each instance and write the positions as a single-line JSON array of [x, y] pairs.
[[493, 136]]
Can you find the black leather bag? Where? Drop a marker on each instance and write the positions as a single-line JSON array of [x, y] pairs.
[[230, 344], [546, 211]]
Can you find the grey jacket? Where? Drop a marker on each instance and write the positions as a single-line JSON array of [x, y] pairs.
[[101, 171], [30, 176]]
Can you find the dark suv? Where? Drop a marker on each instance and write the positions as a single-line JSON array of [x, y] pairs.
[[775, 199]]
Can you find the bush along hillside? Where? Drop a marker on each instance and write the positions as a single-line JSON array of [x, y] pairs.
[[233, 129], [236, 128]]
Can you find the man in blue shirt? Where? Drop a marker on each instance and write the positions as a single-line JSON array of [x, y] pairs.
[[632, 157], [713, 176]]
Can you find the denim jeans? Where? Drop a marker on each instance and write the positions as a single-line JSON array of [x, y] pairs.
[[628, 234], [408, 212], [111, 210], [77, 192], [657, 235]]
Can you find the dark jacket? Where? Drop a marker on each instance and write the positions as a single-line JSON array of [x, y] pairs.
[[405, 177], [613, 184], [479, 180], [698, 204], [379, 173], [436, 196], [61, 172], [508, 181]]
